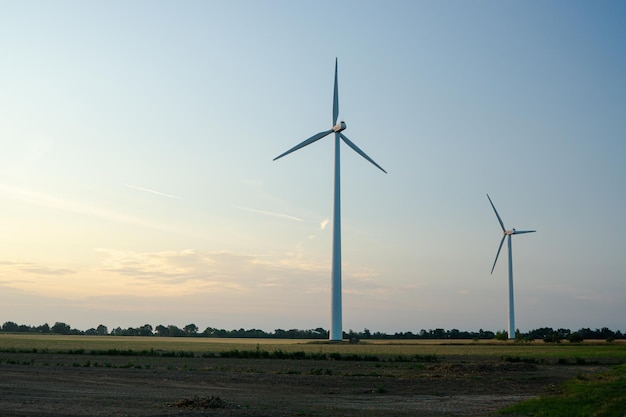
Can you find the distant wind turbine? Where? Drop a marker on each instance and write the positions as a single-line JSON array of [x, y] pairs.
[[336, 332], [508, 233]]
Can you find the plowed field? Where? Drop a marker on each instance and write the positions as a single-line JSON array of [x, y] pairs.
[[51, 385]]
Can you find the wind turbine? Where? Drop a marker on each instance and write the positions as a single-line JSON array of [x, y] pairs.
[[336, 332], [508, 233]]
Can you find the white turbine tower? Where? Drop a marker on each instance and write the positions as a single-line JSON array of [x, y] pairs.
[[336, 332], [508, 233]]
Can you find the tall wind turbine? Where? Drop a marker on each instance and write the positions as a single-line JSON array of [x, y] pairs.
[[336, 332], [508, 233]]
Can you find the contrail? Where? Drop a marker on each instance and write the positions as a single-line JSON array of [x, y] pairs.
[[151, 191], [74, 206], [269, 213]]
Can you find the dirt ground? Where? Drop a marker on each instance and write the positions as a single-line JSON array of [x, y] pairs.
[[54, 385]]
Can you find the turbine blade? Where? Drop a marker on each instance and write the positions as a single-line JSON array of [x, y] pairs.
[[304, 143], [359, 151], [335, 98], [498, 253], [518, 232], [497, 215]]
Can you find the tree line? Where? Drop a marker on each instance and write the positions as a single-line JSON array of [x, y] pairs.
[[547, 334]]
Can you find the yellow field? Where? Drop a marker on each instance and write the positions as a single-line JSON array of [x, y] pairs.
[[538, 349]]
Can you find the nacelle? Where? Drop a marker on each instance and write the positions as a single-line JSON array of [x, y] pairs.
[[339, 127]]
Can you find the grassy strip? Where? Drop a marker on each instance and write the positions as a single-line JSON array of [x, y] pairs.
[[258, 353], [594, 395], [335, 356]]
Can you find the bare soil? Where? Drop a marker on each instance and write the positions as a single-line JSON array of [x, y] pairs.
[[54, 385]]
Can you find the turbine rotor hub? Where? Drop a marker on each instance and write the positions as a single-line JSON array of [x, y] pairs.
[[339, 126]]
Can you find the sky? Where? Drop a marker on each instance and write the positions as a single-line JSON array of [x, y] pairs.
[[137, 181]]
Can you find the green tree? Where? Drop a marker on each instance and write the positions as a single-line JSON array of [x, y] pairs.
[[190, 330], [575, 338], [162, 330], [44, 328], [145, 330], [10, 326], [174, 331], [555, 337], [61, 328]]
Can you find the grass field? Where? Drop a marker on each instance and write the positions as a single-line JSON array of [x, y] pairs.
[[590, 350], [598, 395]]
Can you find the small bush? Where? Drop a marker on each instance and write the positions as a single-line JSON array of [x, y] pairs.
[[502, 336], [552, 338], [575, 338]]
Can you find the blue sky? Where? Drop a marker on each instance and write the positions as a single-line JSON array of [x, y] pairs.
[[137, 183]]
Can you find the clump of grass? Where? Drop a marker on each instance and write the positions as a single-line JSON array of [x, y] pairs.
[[518, 359], [290, 372], [354, 357], [583, 361], [128, 365], [418, 367], [321, 371], [114, 352], [279, 354], [428, 358], [242, 354], [367, 374], [176, 354], [381, 389], [582, 376], [431, 358]]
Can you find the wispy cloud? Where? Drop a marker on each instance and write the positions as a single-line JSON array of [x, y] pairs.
[[270, 213], [193, 272], [148, 190], [59, 203], [175, 284], [39, 277]]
